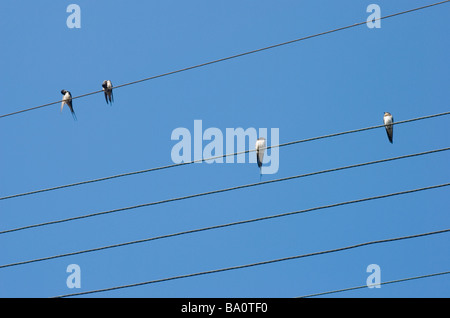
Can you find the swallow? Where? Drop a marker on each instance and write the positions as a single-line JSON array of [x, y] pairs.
[[67, 99], [260, 148], [107, 88], [388, 124]]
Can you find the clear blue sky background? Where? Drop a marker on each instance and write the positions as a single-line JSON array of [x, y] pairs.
[[337, 82]]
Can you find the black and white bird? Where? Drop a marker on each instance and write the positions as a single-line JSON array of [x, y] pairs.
[[67, 99], [389, 125], [260, 148], [107, 88]]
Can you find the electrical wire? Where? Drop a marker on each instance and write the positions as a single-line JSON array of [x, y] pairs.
[[215, 227], [381, 283], [234, 56], [223, 190], [340, 249], [215, 157]]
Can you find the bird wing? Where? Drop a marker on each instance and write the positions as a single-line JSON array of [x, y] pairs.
[[260, 147], [389, 127], [389, 133]]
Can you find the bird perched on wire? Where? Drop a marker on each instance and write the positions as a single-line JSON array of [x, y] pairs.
[[389, 125], [67, 99], [107, 88], [260, 148]]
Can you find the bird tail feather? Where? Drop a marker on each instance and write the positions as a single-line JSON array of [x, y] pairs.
[[74, 116]]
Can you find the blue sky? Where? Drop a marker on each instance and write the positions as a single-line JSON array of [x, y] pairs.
[[342, 81]]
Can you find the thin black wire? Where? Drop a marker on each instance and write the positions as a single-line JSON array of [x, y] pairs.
[[235, 56], [215, 227], [215, 157], [340, 249], [382, 283], [223, 190]]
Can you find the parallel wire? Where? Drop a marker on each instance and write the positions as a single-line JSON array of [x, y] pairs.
[[159, 168], [215, 227], [234, 56], [223, 190], [381, 283], [259, 263], [216, 157]]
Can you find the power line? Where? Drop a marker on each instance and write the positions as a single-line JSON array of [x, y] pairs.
[[234, 56], [215, 227], [223, 190], [381, 283], [215, 157], [340, 249]]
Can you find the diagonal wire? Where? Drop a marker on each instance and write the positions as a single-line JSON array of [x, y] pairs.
[[216, 157], [215, 227], [234, 56], [382, 283], [260, 263], [223, 190]]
